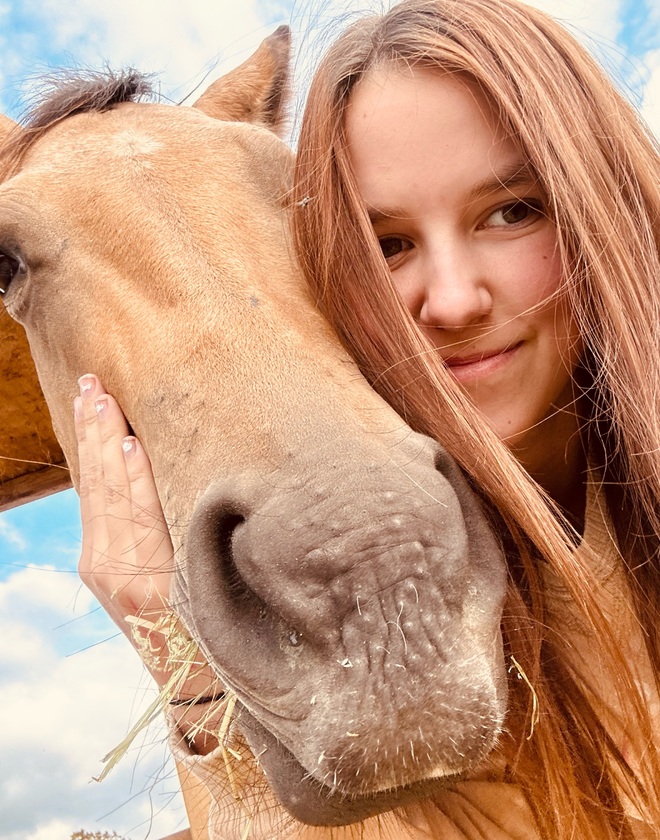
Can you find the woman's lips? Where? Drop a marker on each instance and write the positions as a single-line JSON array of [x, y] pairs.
[[479, 365]]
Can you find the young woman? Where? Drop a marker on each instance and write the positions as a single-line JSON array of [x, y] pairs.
[[477, 211]]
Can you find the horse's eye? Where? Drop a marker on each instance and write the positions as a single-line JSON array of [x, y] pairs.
[[9, 268]]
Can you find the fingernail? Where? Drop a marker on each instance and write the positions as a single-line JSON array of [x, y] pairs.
[[77, 408], [86, 384], [100, 405], [128, 445]]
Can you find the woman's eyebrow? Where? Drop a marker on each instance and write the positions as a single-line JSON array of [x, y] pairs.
[[377, 215], [513, 175]]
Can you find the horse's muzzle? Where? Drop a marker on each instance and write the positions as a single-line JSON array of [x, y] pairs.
[[352, 601]]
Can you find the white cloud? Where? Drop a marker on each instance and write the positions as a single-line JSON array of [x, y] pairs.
[[10, 534], [597, 23], [175, 39], [52, 829], [651, 101], [61, 715], [593, 18], [180, 42]]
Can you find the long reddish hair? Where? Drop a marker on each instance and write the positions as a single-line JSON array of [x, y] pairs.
[[599, 168]]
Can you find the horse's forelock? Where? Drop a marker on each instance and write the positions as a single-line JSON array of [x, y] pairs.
[[70, 92]]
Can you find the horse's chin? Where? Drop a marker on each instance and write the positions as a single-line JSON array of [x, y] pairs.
[[311, 802]]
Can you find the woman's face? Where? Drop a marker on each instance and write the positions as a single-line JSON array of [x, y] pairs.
[[462, 227]]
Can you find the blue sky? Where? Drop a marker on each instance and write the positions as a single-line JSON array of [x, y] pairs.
[[70, 684]]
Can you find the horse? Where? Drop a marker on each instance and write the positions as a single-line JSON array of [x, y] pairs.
[[334, 565]]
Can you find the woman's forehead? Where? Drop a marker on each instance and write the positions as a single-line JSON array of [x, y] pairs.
[[390, 94], [420, 124]]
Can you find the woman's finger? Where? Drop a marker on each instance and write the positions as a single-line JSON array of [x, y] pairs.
[[127, 543], [150, 534], [92, 477], [127, 556]]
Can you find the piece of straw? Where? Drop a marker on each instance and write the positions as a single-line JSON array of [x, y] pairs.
[[183, 655]]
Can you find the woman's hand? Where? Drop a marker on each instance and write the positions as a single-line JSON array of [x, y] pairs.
[[127, 557]]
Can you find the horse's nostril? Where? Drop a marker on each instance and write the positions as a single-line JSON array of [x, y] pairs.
[[225, 530], [232, 612]]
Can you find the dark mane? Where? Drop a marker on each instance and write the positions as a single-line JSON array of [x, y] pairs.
[[70, 92], [73, 91]]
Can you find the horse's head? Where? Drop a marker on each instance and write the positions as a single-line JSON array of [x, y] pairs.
[[333, 565]]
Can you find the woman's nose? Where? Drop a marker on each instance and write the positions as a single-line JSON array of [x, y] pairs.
[[455, 290]]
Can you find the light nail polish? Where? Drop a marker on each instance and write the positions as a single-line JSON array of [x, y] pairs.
[[86, 385], [128, 445]]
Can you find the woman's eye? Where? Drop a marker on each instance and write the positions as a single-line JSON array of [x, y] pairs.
[[9, 268], [393, 246], [514, 213]]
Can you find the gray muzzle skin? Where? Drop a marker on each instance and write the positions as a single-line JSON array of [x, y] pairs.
[[355, 612]]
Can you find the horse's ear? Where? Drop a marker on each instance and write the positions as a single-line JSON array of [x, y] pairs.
[[256, 91]]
